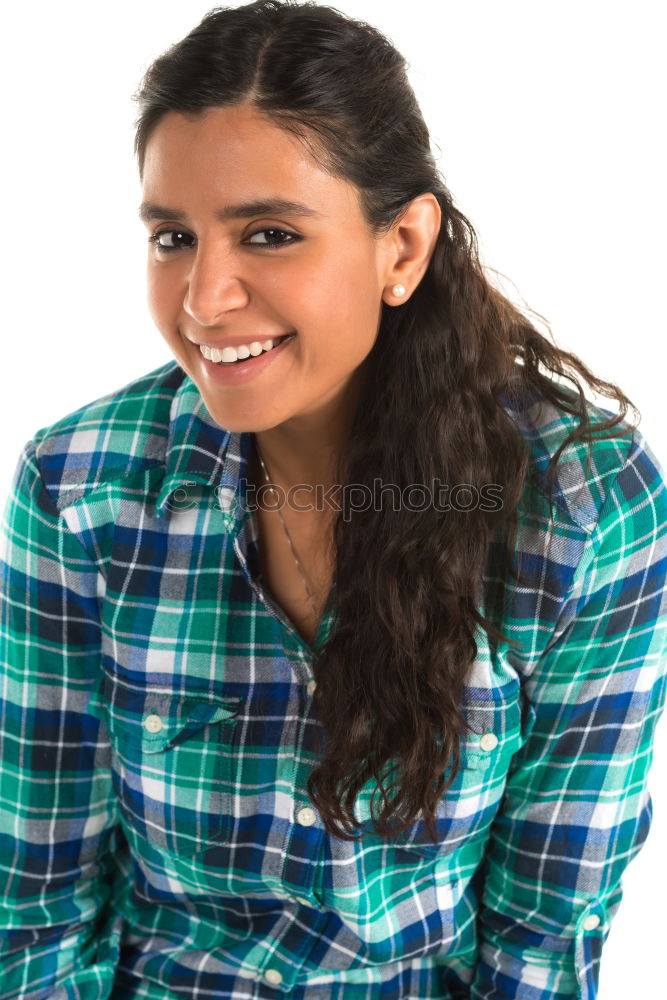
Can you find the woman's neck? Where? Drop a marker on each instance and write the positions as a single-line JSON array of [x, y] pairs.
[[306, 448]]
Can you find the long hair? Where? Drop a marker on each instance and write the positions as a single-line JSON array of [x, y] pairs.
[[434, 403]]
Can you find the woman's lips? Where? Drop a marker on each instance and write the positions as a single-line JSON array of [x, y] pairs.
[[239, 372]]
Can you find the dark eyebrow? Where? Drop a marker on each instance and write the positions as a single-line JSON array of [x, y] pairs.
[[148, 210]]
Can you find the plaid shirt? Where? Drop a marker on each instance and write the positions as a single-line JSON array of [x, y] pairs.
[[158, 732]]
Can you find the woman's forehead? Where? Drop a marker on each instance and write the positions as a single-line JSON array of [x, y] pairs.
[[229, 136], [239, 158]]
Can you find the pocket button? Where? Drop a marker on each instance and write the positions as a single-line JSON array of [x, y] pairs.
[[153, 724], [489, 741]]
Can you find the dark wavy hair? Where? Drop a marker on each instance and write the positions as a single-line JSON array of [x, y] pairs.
[[434, 403]]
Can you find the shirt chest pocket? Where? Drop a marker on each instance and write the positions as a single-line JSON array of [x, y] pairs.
[[466, 809], [172, 765]]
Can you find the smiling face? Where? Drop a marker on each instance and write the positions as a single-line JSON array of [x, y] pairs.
[[321, 275]]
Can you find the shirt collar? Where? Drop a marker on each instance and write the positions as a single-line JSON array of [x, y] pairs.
[[200, 453]]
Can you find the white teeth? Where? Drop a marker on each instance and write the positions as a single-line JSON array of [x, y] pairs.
[[229, 354]]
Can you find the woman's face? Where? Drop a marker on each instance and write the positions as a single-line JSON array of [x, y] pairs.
[[224, 283]]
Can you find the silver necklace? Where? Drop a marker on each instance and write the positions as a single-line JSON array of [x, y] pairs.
[[287, 535]]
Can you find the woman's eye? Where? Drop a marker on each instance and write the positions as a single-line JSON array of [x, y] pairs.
[[291, 238], [169, 240], [174, 235]]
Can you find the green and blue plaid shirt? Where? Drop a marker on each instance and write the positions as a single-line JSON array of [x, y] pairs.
[[156, 839]]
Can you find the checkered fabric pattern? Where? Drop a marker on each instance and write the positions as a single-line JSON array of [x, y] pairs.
[[157, 733]]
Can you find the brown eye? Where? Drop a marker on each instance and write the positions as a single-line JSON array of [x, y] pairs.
[[272, 243], [173, 240]]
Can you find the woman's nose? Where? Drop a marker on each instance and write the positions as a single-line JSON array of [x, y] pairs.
[[214, 286]]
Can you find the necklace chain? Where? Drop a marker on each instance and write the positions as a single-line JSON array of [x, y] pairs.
[[287, 535]]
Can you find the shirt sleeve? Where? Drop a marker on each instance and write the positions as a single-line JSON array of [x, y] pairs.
[[58, 936], [576, 808]]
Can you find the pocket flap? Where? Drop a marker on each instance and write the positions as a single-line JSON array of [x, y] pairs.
[[152, 719], [180, 721], [496, 733]]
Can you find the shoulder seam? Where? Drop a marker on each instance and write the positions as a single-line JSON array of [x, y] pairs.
[[586, 525]]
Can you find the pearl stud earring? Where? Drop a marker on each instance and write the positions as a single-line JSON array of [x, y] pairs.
[[398, 290]]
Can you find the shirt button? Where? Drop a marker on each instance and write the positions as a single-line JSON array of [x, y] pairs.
[[153, 724], [273, 976], [590, 923], [306, 817], [311, 687], [489, 741]]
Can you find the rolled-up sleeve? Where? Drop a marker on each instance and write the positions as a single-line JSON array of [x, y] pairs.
[[57, 811], [576, 808]]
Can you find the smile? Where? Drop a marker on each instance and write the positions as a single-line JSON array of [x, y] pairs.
[[228, 355], [233, 370]]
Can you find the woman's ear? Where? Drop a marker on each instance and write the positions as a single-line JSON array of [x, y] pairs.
[[408, 246]]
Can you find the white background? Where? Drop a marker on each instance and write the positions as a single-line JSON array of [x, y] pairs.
[[546, 120]]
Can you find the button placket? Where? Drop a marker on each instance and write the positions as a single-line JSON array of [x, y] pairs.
[[295, 648]]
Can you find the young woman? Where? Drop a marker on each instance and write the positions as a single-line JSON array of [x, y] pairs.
[[332, 650]]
